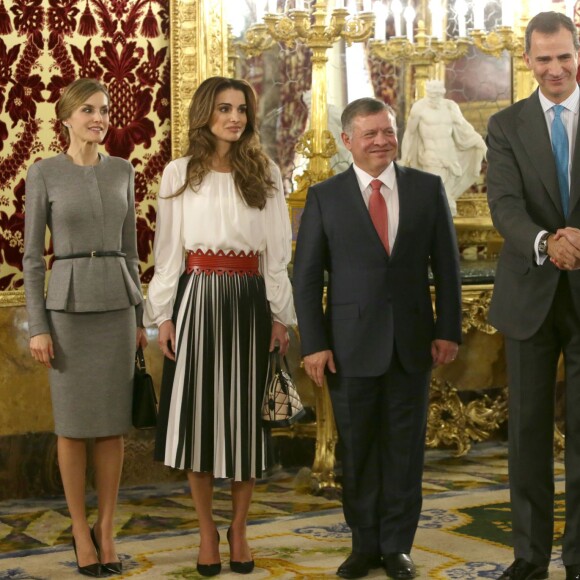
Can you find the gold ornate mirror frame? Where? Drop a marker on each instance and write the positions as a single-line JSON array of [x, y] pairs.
[[198, 49]]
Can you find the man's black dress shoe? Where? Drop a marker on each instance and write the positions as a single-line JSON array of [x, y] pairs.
[[399, 565], [573, 572], [522, 570], [358, 565]]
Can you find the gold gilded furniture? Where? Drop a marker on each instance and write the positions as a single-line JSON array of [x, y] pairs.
[[479, 367]]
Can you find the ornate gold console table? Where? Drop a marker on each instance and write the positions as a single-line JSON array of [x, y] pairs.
[[478, 372]]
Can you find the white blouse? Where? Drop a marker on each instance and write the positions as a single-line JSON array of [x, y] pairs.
[[217, 218]]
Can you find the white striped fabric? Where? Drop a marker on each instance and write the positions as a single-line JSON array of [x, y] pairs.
[[222, 332]]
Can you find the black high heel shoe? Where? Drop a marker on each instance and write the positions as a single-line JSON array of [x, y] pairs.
[[210, 569], [239, 567], [112, 567], [94, 570]]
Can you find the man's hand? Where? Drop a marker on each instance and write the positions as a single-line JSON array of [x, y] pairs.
[[315, 363], [564, 249], [443, 351]]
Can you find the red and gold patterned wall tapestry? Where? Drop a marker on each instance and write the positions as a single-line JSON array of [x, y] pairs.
[[46, 44]]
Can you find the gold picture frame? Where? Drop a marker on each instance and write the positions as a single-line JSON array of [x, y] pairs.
[[198, 50]]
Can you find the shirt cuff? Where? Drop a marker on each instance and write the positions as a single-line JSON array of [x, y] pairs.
[[539, 259]]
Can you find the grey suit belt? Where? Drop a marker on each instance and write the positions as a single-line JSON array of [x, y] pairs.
[[93, 254]]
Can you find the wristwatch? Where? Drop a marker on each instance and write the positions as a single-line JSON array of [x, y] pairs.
[[543, 244]]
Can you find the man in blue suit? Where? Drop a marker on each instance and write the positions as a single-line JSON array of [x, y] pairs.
[[533, 184], [376, 229]]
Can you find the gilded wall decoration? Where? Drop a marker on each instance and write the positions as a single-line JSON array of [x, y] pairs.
[[46, 44], [198, 46]]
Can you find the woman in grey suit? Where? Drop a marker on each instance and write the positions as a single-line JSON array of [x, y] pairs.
[[85, 330]]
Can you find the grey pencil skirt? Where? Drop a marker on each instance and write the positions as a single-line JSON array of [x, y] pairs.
[[91, 381]]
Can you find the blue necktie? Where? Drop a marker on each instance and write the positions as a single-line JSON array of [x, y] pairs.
[[561, 153]]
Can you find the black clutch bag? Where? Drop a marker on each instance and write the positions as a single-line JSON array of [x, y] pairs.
[[144, 397]]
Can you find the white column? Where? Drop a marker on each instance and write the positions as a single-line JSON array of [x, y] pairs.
[[397, 10], [479, 14], [409, 15], [381, 14], [461, 11], [357, 77], [507, 13], [436, 18]]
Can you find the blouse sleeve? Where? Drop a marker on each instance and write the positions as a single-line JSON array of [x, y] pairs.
[[35, 221], [167, 249], [278, 254]]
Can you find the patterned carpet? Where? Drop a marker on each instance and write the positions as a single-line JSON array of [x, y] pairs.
[[464, 531]]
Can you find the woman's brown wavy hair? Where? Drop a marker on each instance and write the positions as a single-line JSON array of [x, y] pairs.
[[250, 165]]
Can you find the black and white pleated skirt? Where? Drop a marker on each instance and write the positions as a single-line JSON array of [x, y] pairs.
[[211, 396]]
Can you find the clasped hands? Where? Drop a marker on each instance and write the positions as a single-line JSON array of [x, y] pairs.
[[564, 248]]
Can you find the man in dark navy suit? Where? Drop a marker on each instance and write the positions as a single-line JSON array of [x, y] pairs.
[[376, 229]]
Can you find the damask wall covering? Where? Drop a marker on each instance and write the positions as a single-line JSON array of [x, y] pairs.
[[46, 44]]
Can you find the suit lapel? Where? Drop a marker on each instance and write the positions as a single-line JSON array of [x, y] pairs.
[[533, 132], [405, 205]]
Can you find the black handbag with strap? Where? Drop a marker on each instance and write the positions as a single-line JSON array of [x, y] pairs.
[[144, 396]]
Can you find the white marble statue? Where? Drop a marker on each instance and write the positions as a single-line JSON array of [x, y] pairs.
[[438, 139]]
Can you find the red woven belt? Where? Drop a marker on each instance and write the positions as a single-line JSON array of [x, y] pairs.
[[221, 263]]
